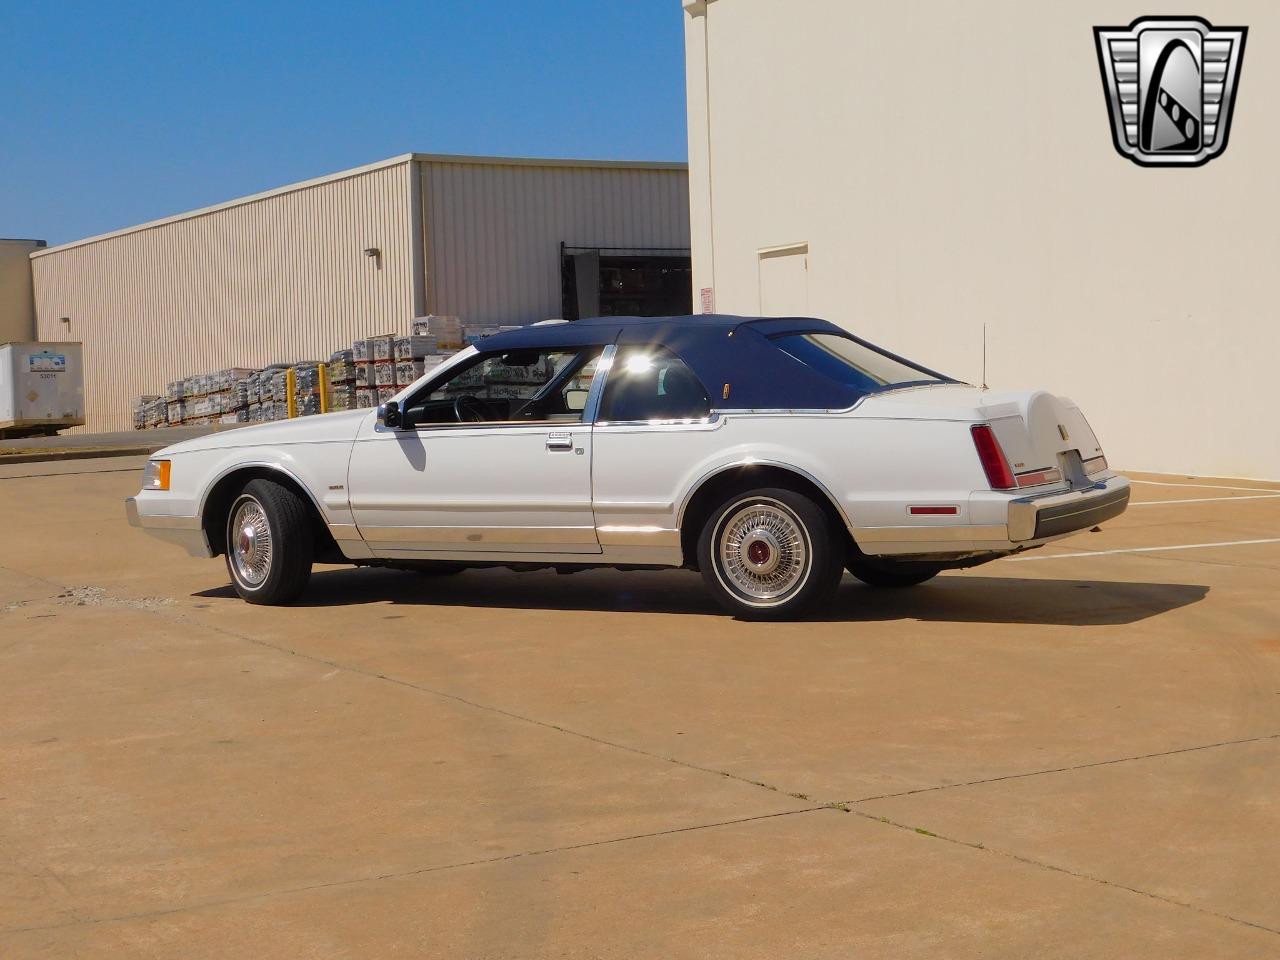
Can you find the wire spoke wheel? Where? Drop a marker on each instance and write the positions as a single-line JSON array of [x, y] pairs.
[[250, 543], [762, 551]]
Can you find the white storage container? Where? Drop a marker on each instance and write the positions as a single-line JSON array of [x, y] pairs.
[[41, 387]]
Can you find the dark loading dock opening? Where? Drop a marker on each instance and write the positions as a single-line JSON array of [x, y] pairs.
[[625, 282]]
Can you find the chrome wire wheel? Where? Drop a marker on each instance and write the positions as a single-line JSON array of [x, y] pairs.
[[249, 542], [762, 552]]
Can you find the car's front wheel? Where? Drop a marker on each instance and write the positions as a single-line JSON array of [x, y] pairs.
[[769, 554], [269, 543]]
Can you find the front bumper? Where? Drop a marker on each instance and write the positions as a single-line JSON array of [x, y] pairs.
[[1054, 515], [186, 532]]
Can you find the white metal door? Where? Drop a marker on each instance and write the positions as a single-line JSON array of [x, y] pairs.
[[483, 489]]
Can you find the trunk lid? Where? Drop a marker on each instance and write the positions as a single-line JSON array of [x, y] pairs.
[[1036, 429], [1047, 432]]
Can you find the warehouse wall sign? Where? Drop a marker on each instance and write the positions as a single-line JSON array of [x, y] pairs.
[[1170, 84]]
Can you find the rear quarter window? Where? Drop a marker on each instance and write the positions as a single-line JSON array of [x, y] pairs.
[[848, 362]]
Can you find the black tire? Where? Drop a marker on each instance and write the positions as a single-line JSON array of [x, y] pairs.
[[892, 573], [733, 577], [280, 573]]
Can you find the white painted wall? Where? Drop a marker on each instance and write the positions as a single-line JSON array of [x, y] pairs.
[[951, 165]]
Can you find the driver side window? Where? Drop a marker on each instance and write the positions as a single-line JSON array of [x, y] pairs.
[[525, 386]]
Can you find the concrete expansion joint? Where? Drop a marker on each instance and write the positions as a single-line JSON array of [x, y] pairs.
[[150, 605], [402, 875], [1261, 738], [91, 595], [1054, 868], [490, 708]]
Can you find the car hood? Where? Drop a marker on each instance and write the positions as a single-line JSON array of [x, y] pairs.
[[324, 428]]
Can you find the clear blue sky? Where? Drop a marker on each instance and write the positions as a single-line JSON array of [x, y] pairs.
[[112, 113]]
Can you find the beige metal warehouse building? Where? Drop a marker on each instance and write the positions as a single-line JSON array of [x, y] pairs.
[[17, 305], [300, 271], [915, 171]]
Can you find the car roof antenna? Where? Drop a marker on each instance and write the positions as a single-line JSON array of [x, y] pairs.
[[984, 357]]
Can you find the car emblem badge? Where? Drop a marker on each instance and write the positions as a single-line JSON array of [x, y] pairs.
[[1062, 432], [1170, 84]]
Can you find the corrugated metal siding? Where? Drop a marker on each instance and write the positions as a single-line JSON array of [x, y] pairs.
[[494, 230], [281, 278]]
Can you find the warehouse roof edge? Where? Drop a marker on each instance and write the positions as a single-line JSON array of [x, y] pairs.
[[397, 160]]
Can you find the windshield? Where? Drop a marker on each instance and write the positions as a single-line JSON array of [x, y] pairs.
[[848, 362]]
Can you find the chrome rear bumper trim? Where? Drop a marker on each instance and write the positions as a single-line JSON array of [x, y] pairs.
[[1034, 518]]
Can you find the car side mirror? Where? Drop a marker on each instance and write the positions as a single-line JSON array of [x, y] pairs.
[[389, 414], [575, 401]]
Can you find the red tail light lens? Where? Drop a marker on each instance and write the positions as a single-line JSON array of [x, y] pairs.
[[994, 464]]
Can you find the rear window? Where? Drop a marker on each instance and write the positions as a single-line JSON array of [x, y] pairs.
[[848, 362]]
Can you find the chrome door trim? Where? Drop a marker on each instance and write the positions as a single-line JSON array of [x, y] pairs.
[[495, 425], [596, 391], [637, 535], [713, 421], [523, 506], [479, 536]]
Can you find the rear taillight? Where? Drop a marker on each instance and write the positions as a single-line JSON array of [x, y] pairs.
[[1095, 465], [994, 464]]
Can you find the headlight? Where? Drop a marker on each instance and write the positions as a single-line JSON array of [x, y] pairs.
[[156, 475]]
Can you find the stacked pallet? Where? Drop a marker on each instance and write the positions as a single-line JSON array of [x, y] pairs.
[[370, 372], [342, 380]]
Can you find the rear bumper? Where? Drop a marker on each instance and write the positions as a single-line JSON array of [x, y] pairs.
[[186, 532], [1041, 518], [1000, 523]]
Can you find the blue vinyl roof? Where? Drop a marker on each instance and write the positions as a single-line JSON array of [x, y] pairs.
[[732, 356]]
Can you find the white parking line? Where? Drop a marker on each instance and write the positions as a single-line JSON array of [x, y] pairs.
[[1103, 553], [1201, 486], [1161, 503]]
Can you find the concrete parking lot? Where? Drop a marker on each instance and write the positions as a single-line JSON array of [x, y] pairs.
[[1071, 754]]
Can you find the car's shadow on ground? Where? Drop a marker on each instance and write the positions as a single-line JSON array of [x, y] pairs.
[[948, 598]]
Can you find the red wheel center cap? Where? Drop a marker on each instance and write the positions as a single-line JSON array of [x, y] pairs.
[[758, 552]]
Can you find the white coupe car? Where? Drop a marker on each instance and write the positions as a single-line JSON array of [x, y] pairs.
[[769, 454]]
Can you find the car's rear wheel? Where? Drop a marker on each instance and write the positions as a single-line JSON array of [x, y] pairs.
[[270, 544], [769, 554], [892, 573]]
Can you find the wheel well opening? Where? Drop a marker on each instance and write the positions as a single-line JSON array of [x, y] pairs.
[[718, 488], [218, 505]]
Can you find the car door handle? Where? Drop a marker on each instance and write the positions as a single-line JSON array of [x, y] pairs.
[[559, 441]]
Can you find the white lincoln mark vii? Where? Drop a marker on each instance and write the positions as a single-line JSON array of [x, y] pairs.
[[769, 454]]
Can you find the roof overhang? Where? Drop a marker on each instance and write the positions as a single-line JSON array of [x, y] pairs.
[[401, 159]]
